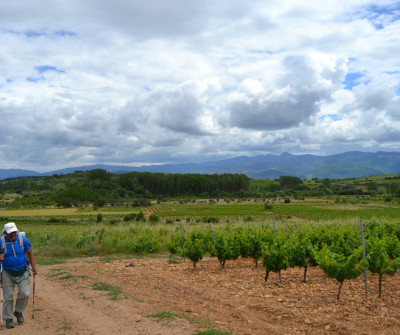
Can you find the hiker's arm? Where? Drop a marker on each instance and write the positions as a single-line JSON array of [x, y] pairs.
[[31, 257]]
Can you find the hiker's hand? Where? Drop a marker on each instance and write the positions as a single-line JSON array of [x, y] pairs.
[[34, 271], [1, 257]]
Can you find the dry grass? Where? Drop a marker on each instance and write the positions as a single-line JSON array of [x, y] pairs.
[[38, 212]]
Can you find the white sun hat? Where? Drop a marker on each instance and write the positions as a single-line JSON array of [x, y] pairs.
[[10, 227]]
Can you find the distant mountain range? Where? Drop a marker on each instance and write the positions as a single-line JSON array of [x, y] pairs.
[[352, 164]]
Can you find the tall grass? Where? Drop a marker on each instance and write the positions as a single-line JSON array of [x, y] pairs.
[[73, 241]]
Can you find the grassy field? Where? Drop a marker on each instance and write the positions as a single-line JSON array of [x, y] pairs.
[[38, 212], [57, 233]]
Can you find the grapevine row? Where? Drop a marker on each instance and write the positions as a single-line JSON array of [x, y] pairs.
[[336, 249]]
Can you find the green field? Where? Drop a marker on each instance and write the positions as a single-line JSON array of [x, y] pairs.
[[338, 212], [57, 233], [305, 210]]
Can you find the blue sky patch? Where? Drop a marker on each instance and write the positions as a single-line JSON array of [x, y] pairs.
[[333, 117], [262, 52], [352, 79], [44, 68], [10, 31], [66, 33], [32, 33], [381, 16], [34, 79], [392, 72]]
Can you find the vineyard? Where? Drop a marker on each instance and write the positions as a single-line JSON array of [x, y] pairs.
[[336, 248], [271, 237], [315, 210], [276, 278], [306, 244], [329, 212]]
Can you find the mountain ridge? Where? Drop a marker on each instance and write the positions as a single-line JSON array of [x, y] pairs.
[[351, 164]]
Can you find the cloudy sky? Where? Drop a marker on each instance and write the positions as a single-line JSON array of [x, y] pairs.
[[142, 82]]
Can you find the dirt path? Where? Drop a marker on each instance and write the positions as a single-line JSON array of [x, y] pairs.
[[160, 298], [65, 303]]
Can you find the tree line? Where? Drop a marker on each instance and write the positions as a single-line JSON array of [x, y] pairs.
[[100, 187]]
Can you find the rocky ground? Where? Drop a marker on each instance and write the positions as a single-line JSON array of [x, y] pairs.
[[151, 296]]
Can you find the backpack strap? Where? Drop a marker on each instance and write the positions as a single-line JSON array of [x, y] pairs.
[[3, 244], [21, 241]]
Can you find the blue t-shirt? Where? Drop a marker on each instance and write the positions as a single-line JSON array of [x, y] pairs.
[[19, 260]]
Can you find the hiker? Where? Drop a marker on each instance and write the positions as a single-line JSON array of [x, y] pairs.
[[15, 271]]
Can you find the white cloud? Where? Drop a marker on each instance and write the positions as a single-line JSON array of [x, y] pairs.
[[133, 81], [294, 99]]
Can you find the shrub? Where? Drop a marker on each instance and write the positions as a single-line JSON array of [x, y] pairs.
[[130, 217], [194, 250], [154, 218], [57, 220], [140, 217], [211, 220], [268, 206], [100, 202], [65, 202], [141, 202], [147, 243]]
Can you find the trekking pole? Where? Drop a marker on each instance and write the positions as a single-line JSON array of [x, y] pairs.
[[1, 284], [33, 298]]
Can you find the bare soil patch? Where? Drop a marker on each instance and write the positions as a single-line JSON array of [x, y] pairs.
[[147, 212], [296, 218], [161, 298]]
